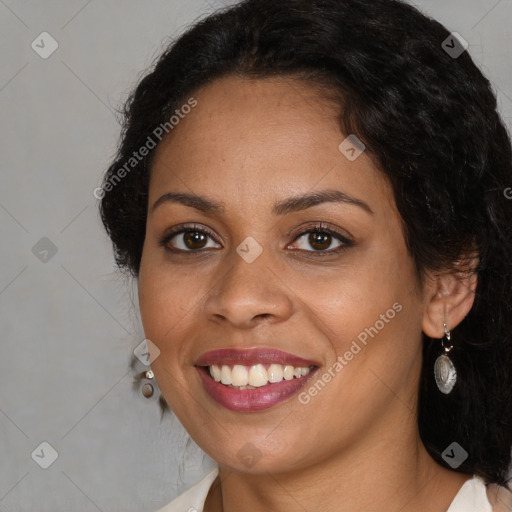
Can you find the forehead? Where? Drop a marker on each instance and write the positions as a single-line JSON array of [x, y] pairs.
[[260, 135], [239, 109]]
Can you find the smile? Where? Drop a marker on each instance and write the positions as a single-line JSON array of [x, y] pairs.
[[255, 376], [252, 380]]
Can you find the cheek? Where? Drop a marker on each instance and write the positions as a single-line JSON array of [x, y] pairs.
[[371, 307], [166, 302], [371, 319]]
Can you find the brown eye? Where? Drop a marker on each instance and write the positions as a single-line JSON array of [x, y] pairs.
[[320, 241], [188, 240], [194, 239]]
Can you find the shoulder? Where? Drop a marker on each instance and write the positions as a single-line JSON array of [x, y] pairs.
[[192, 500], [476, 496], [500, 498], [473, 493]]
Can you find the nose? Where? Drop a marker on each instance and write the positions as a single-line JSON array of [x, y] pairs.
[[247, 294]]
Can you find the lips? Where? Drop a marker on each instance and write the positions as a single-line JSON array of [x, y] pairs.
[[250, 399], [251, 357]]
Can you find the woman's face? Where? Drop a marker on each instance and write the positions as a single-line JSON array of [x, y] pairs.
[[259, 168]]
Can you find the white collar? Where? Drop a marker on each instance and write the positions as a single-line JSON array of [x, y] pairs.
[[472, 496]]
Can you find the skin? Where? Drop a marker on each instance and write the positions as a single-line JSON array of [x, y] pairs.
[[355, 446]]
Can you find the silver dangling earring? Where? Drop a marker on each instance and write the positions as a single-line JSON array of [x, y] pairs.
[[444, 370], [147, 388]]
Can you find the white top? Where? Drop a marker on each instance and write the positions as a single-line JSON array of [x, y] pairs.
[[472, 497]]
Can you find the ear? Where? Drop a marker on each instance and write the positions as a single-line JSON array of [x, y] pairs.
[[448, 297]]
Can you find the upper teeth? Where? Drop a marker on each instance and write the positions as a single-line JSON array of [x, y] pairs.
[[257, 375]]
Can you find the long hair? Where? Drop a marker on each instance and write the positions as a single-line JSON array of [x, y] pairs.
[[429, 120]]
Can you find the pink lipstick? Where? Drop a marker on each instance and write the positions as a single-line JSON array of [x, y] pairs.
[[255, 398]]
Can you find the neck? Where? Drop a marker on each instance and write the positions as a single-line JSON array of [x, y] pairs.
[[389, 471]]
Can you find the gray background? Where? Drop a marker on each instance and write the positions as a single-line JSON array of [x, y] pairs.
[[70, 324]]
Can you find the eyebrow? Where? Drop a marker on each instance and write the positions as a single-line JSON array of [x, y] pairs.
[[289, 205]]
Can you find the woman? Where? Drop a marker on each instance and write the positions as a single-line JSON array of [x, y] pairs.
[[312, 195]]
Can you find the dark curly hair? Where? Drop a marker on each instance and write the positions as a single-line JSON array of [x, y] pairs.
[[429, 121]]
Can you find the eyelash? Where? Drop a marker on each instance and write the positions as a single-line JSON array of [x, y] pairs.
[[319, 228]]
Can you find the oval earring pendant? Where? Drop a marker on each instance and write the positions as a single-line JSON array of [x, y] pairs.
[[445, 374]]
